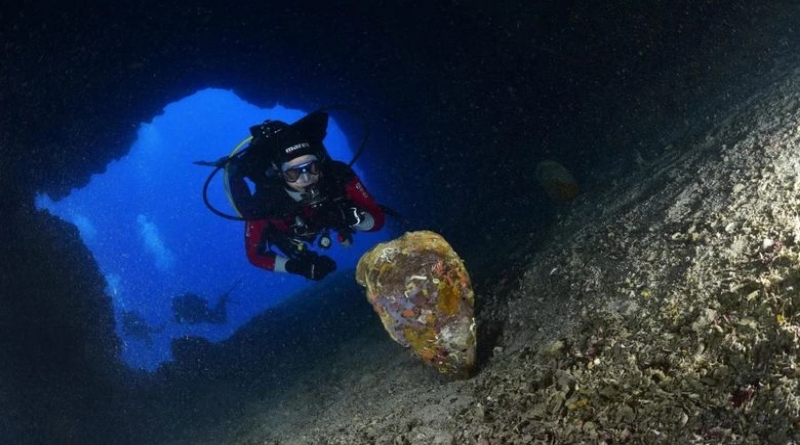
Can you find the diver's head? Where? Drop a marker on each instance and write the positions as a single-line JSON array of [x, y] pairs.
[[301, 172], [301, 138]]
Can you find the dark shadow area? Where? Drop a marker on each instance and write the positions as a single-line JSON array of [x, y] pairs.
[[207, 382]]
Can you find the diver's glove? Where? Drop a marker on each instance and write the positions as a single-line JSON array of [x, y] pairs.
[[353, 216], [343, 217], [312, 267]]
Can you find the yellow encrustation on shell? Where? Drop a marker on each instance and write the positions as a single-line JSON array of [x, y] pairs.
[[422, 292]]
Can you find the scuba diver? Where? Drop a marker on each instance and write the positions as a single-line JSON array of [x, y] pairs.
[[135, 326], [190, 308], [299, 196]]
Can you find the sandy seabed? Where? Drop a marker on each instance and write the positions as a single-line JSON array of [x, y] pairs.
[[664, 308]]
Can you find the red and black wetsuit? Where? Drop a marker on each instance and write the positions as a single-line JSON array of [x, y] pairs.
[[274, 212]]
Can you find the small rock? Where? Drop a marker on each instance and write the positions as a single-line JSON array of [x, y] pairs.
[[553, 348], [480, 412], [443, 438]]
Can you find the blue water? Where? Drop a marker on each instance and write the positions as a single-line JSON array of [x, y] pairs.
[[153, 238]]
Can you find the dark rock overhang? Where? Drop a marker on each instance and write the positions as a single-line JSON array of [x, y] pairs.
[[77, 80]]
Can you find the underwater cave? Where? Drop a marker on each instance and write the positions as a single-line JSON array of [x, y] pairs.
[[462, 99], [154, 240]]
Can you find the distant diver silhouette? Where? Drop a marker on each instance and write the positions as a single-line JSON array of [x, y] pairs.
[[135, 326], [191, 308]]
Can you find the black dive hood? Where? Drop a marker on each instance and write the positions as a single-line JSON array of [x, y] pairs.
[[278, 142]]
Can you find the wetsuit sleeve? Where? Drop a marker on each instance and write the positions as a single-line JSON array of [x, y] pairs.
[[256, 241], [360, 196]]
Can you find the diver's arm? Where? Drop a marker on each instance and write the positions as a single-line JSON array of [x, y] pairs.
[[257, 248], [374, 217], [260, 234]]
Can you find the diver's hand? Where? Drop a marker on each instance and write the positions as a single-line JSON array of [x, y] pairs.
[[353, 216], [314, 268], [343, 216]]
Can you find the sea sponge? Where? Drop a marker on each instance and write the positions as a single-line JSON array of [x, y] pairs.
[[558, 182], [421, 290]]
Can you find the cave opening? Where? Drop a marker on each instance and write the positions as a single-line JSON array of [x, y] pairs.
[[145, 222]]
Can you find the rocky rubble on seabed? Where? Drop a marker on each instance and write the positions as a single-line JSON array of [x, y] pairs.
[[666, 310]]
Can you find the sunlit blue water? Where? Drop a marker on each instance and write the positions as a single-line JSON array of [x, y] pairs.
[[145, 222]]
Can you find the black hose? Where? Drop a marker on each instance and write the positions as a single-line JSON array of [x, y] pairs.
[[208, 203]]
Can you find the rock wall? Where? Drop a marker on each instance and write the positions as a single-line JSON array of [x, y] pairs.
[[58, 350]]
